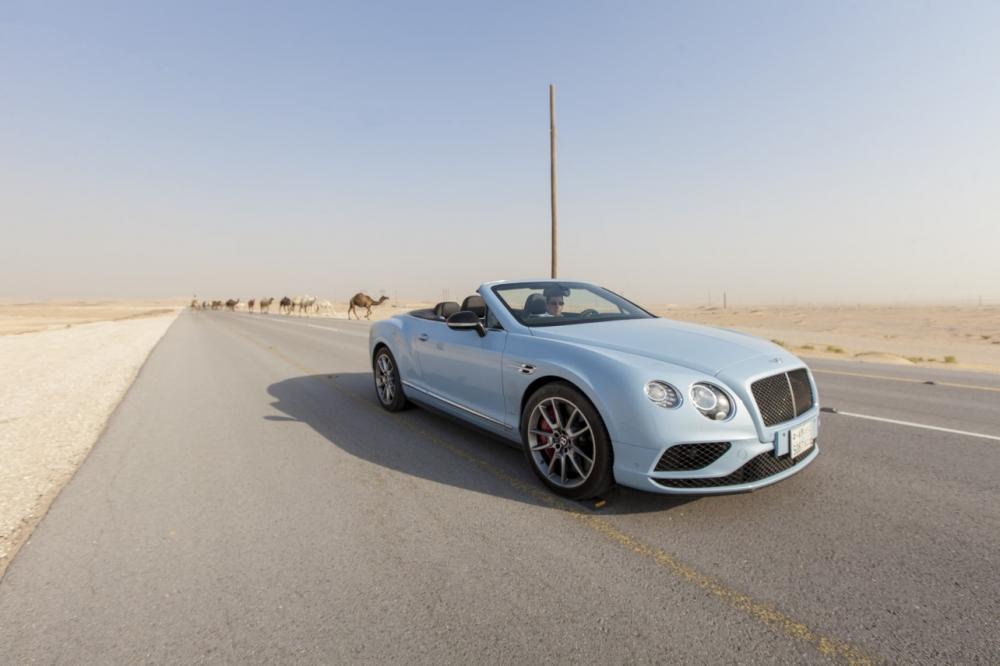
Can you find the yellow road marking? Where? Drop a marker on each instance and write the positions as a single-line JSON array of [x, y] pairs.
[[976, 387], [762, 612]]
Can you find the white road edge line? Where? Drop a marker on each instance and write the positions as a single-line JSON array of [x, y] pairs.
[[920, 425]]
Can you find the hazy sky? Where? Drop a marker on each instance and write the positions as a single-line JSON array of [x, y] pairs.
[[834, 151]]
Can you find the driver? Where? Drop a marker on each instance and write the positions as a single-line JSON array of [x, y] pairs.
[[554, 301]]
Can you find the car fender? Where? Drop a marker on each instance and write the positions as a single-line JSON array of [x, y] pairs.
[[392, 333]]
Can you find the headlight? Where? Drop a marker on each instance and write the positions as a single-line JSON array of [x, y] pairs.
[[711, 401], [663, 394]]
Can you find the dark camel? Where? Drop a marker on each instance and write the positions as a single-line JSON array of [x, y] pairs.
[[362, 300], [231, 304], [285, 304]]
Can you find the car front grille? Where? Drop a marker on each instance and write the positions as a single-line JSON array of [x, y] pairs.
[[784, 396], [683, 457], [757, 468]]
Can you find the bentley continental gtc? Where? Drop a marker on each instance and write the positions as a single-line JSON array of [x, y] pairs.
[[598, 391]]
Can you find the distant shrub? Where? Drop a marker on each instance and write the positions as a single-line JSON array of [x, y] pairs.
[[915, 359], [834, 349], [808, 347], [950, 359], [780, 343]]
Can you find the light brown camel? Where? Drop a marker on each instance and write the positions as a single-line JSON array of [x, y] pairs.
[[250, 305], [265, 304], [231, 304], [363, 300]]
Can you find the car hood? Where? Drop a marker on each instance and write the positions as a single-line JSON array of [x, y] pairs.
[[700, 348]]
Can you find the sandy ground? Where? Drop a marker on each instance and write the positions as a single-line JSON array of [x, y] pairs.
[[57, 391], [29, 317], [906, 335]]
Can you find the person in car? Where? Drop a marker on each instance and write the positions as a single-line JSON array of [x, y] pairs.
[[554, 301]]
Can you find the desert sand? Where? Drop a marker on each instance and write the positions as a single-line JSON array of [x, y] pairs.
[[935, 336], [16, 318]]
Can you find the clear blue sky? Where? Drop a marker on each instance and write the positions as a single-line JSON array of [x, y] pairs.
[[833, 151]]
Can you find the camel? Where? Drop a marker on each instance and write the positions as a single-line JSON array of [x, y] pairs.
[[194, 303], [325, 306], [285, 305], [265, 304], [362, 300], [305, 303], [250, 305], [216, 305], [231, 304], [204, 305]]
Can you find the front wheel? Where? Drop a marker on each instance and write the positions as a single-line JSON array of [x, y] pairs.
[[388, 386], [566, 443]]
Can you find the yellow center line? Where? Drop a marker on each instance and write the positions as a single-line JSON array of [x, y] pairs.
[[976, 387], [762, 612]]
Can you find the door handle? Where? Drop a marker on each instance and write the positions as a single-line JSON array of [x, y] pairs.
[[423, 337]]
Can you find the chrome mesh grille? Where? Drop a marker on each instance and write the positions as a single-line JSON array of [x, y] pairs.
[[802, 392], [759, 467], [784, 396], [684, 457]]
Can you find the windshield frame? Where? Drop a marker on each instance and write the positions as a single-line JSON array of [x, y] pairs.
[[567, 321]]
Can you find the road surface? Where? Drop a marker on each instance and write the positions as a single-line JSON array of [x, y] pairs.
[[250, 502]]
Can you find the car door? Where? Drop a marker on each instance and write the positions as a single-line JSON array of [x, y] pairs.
[[463, 368]]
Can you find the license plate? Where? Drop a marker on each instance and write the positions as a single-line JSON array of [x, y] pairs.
[[802, 438]]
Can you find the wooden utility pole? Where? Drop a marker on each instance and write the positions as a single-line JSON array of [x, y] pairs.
[[552, 168]]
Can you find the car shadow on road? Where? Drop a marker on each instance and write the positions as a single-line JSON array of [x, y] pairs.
[[428, 444]]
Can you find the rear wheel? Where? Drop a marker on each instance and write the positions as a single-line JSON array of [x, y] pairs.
[[388, 386], [566, 443]]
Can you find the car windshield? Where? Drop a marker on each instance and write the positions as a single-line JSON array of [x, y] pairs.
[[561, 303]]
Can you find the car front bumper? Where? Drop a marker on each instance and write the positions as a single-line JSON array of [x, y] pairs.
[[747, 465]]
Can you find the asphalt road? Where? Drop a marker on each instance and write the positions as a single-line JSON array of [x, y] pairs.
[[249, 502]]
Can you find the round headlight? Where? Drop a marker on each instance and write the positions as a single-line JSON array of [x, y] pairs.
[[703, 397], [663, 394], [711, 401]]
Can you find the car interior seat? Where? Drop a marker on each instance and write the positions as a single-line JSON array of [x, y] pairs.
[[534, 305], [475, 303], [446, 309]]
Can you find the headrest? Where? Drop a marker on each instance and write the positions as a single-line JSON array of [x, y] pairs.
[[535, 305], [446, 309], [475, 304]]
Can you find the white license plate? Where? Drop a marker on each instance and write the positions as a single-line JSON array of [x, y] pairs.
[[801, 438]]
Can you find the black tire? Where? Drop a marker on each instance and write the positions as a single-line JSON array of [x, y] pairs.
[[560, 460], [388, 387]]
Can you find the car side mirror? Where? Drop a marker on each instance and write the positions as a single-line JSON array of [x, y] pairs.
[[466, 320]]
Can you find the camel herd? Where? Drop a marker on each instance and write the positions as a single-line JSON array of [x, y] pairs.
[[301, 305]]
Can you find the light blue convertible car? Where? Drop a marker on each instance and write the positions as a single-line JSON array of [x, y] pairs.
[[598, 391]]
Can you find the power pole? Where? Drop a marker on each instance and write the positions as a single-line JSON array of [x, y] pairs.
[[552, 168]]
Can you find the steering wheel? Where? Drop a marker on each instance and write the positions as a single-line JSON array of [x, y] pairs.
[[589, 312]]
